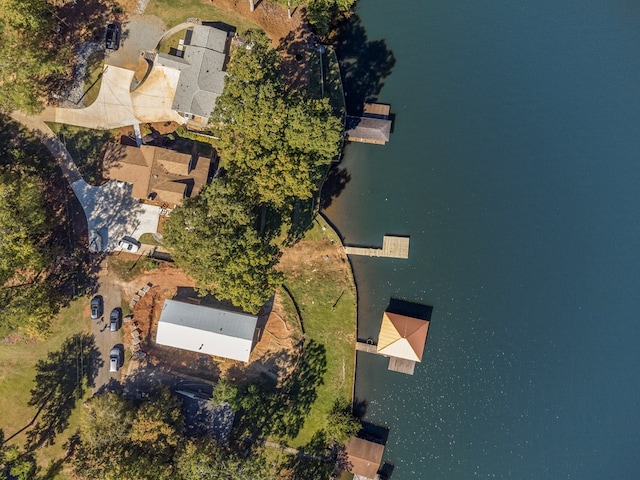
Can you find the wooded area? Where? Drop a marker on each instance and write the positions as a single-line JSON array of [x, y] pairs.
[[275, 146]]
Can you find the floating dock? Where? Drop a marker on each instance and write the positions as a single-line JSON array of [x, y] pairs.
[[392, 247]]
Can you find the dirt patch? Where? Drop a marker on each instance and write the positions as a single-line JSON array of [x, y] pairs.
[[312, 256], [272, 358]]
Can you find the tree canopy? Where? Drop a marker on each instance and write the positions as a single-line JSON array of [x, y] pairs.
[[214, 238], [26, 301], [124, 441], [275, 143], [29, 54]]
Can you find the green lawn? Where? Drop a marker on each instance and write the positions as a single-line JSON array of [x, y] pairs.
[[127, 269], [174, 12], [325, 295], [149, 239], [85, 146], [93, 77], [17, 374]]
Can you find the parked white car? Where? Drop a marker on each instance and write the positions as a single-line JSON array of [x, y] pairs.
[[128, 244]]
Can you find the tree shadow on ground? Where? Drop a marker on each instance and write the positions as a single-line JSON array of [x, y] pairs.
[[282, 412], [319, 459], [302, 216], [299, 393], [296, 48], [61, 380], [364, 64], [86, 147], [334, 184]]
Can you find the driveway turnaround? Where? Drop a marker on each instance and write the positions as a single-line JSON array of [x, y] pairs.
[[120, 102], [116, 106], [110, 209]]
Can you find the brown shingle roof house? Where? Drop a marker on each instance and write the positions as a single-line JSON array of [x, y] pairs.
[[156, 173]]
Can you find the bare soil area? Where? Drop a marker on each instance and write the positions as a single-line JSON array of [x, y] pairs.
[[272, 358]]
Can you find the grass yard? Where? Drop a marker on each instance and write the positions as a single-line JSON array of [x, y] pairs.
[[17, 374], [174, 12], [93, 77], [330, 76], [85, 146], [318, 276], [128, 269], [149, 239]]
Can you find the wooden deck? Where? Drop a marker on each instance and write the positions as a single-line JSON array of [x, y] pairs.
[[365, 347], [395, 364], [401, 365], [376, 110], [392, 247]]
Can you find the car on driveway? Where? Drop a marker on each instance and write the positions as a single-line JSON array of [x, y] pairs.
[[112, 40], [115, 319], [129, 244], [97, 307], [115, 358]]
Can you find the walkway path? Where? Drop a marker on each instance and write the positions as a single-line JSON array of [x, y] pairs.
[[110, 209]]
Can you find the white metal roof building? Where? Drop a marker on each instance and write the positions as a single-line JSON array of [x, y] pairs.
[[206, 330]]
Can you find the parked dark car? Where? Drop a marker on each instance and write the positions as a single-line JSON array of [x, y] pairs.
[[116, 357], [97, 307], [112, 40], [115, 319]]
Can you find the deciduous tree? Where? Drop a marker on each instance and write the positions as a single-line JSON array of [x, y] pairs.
[[275, 143], [214, 238], [29, 55]]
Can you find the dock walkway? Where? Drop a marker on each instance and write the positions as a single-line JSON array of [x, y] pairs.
[[392, 247], [395, 364]]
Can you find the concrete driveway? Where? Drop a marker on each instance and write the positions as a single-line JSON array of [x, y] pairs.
[[117, 105], [138, 35]]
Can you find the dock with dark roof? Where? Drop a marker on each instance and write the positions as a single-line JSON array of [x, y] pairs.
[[373, 126]]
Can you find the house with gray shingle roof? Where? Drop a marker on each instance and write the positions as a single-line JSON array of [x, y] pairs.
[[201, 66]]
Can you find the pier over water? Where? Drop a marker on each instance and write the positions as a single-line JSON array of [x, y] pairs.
[[392, 247]]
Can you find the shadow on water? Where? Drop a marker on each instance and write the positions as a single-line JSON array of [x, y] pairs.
[[410, 309], [364, 64], [333, 185]]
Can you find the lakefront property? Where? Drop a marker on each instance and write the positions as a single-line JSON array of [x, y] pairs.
[[227, 311]]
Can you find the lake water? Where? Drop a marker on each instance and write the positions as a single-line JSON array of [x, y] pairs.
[[514, 166]]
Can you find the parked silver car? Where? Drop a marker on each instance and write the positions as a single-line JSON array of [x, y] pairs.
[[116, 357], [97, 307], [115, 319]]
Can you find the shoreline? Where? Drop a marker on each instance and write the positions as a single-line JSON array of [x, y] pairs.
[[331, 225]]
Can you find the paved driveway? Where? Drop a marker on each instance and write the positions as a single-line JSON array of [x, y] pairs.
[[106, 339], [110, 209], [116, 104], [138, 35]]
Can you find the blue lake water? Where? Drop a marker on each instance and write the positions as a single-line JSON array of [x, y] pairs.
[[514, 166]]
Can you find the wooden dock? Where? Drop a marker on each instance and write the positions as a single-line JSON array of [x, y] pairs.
[[399, 365], [392, 247], [365, 347]]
